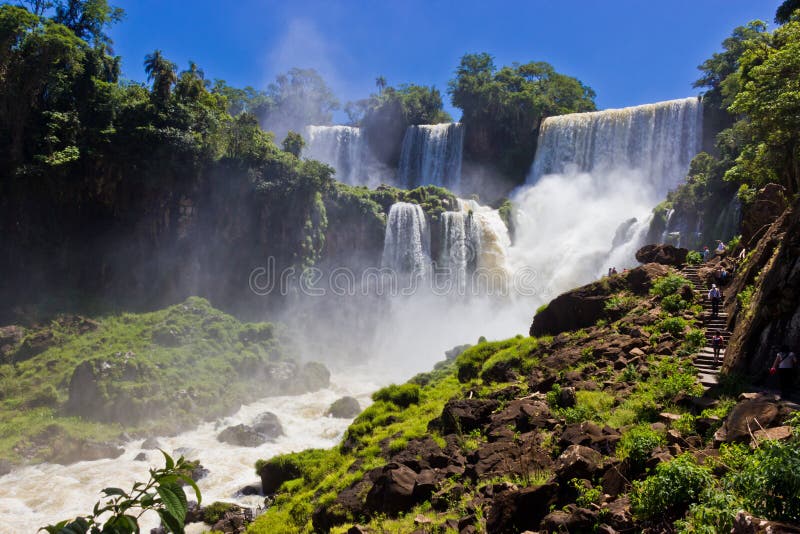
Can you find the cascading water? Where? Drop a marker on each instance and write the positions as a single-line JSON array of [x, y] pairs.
[[343, 148], [431, 155], [407, 244], [474, 238], [593, 172]]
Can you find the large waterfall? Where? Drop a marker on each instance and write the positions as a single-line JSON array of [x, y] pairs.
[[343, 148], [657, 140], [431, 155], [407, 245], [593, 173]]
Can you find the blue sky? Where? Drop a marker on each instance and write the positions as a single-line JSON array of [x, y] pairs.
[[629, 51]]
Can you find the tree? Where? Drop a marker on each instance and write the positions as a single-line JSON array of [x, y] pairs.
[[380, 83], [770, 99], [502, 108], [162, 72], [299, 98], [88, 19], [785, 11], [293, 144]]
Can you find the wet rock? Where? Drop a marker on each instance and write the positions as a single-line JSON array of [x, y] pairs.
[[71, 451], [151, 444], [521, 509], [268, 425], [5, 467], [662, 254], [250, 489], [141, 457], [344, 408], [314, 376]]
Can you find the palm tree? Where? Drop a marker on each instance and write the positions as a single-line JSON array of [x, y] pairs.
[[380, 82], [162, 72]]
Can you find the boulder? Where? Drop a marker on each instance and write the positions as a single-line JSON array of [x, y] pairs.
[[578, 462], [5, 467], [393, 491], [464, 415], [745, 418], [268, 425], [71, 451], [344, 408], [151, 444], [662, 254], [521, 509], [745, 523], [578, 520], [273, 474]]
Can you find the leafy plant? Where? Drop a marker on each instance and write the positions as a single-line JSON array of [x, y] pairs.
[[694, 258], [637, 444], [163, 494], [668, 285], [403, 396], [674, 486]]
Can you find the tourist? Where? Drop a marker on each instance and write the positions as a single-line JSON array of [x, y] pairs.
[[720, 247], [609, 271], [716, 344], [785, 364], [613, 270], [715, 296], [742, 254], [705, 253]]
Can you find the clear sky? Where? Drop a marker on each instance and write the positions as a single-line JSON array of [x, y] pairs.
[[629, 51]]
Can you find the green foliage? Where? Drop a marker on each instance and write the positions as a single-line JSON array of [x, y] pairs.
[[139, 362], [587, 495], [470, 362], [403, 396], [621, 303], [120, 512], [745, 299], [293, 143], [637, 443], [674, 486], [694, 258], [773, 465], [674, 303], [500, 105], [672, 325], [668, 285]]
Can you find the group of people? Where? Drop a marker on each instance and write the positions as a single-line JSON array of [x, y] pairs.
[[719, 251]]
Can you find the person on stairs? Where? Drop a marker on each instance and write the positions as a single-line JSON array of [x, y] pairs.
[[716, 343], [785, 363], [715, 296]]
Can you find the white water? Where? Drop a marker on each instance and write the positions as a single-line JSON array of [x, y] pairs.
[[431, 155], [407, 243], [592, 173], [44, 494], [345, 149]]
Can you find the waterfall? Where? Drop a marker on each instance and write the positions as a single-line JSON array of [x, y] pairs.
[[406, 246], [658, 140], [592, 173], [343, 148], [431, 155]]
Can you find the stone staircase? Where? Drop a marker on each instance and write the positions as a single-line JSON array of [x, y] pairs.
[[707, 370]]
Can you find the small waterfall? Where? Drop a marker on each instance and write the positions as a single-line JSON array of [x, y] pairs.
[[659, 140], [406, 246], [343, 148], [431, 155]]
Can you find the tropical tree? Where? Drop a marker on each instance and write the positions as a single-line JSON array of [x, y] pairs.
[[380, 83], [162, 73]]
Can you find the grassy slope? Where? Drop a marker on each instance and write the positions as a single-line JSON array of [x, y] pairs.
[[385, 427], [158, 372]]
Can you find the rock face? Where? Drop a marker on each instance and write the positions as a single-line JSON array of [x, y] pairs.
[[773, 316], [757, 217], [663, 254], [583, 306], [746, 418], [344, 408]]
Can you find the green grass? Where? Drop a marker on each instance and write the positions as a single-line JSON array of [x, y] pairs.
[[156, 372]]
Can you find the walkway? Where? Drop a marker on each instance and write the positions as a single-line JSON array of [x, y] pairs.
[[707, 372]]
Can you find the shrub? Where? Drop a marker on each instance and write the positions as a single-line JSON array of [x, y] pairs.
[[694, 258], [637, 444], [674, 486], [403, 396], [774, 465], [214, 511], [668, 285], [620, 303], [672, 325], [673, 303]]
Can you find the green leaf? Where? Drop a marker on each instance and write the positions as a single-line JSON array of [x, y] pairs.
[[174, 505], [171, 524], [168, 459]]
